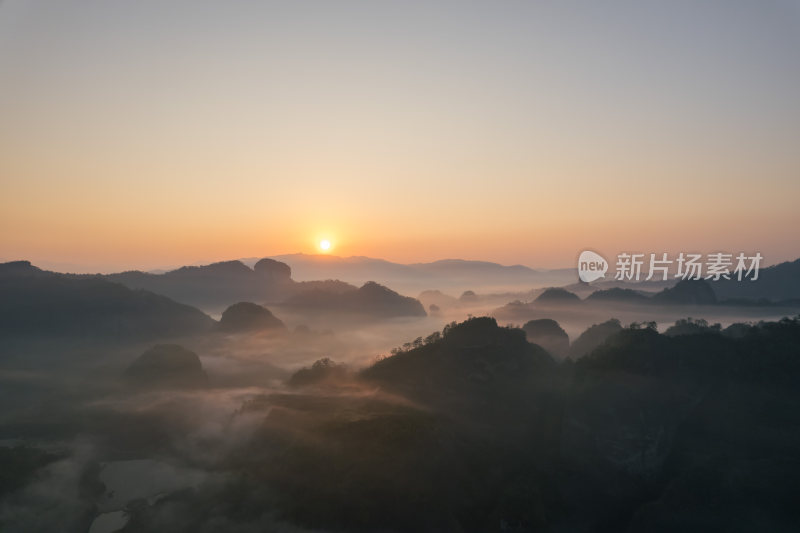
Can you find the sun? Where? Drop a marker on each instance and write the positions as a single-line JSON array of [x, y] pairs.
[[325, 245]]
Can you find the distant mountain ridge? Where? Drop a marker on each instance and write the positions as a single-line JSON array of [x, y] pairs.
[[686, 293], [219, 285], [453, 274]]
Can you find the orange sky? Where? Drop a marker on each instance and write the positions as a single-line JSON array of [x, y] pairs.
[[144, 136]]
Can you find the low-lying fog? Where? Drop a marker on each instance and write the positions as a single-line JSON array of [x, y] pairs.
[[111, 445]]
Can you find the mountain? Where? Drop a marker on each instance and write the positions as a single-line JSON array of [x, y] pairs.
[[166, 366], [437, 298], [469, 362], [220, 284], [454, 435], [323, 372], [455, 275], [247, 316], [617, 295], [557, 295], [371, 299], [40, 304], [474, 429], [594, 336], [216, 285], [690, 326], [646, 288], [688, 291], [656, 422], [775, 283], [549, 335]]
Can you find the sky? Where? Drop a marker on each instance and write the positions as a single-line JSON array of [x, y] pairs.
[[150, 134]]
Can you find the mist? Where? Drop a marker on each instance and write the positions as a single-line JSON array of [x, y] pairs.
[[267, 403]]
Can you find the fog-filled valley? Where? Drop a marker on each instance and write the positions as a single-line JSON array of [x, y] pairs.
[[333, 406]]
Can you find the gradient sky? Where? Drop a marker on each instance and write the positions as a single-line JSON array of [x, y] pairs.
[[146, 134]]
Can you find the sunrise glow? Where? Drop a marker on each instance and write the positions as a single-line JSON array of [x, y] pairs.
[[526, 151]]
